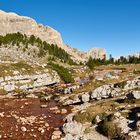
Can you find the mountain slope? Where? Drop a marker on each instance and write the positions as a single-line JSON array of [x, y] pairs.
[[13, 23]]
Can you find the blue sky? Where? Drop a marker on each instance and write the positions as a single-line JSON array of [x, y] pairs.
[[110, 24]]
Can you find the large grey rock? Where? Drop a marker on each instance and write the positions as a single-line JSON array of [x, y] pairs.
[[104, 91], [9, 87], [85, 97], [122, 123], [73, 128], [133, 84], [70, 101], [99, 93], [70, 137], [70, 89]]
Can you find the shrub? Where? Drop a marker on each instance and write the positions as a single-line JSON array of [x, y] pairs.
[[90, 63], [62, 72], [136, 71], [3, 92], [109, 128]]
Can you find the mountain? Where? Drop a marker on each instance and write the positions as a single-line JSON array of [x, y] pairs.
[[13, 23], [136, 55]]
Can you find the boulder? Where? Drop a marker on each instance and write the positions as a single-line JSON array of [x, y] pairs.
[[122, 123], [9, 87], [73, 128], [56, 135], [63, 111], [70, 137], [104, 91], [70, 101], [23, 129], [132, 84], [85, 97]]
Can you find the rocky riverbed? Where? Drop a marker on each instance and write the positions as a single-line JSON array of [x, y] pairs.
[[30, 119]]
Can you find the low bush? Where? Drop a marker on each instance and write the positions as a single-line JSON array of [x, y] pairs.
[[109, 128], [62, 72]]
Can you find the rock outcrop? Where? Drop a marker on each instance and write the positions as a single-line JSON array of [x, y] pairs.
[[27, 82], [97, 53], [133, 84], [103, 92]]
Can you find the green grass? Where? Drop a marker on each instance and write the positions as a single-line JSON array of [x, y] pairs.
[[100, 109], [90, 114], [22, 67]]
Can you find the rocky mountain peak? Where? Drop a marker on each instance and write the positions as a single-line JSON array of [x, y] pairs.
[[97, 53], [13, 23]]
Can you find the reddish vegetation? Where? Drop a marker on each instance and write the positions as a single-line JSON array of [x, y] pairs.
[[10, 124]]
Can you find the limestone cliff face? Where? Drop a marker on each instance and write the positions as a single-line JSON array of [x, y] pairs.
[[97, 53], [13, 23]]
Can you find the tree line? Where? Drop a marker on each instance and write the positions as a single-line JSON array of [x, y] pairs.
[[44, 48], [91, 63], [125, 60]]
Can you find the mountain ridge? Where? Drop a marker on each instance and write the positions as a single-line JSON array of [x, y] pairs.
[[13, 23]]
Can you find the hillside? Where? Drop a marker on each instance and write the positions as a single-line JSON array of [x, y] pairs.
[[13, 23], [17, 46]]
